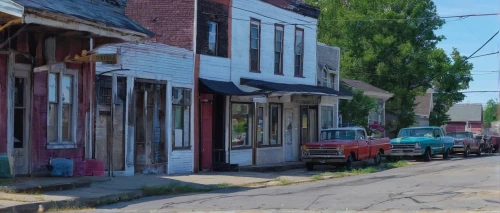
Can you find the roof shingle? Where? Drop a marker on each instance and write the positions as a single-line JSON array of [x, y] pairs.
[[366, 87], [466, 112]]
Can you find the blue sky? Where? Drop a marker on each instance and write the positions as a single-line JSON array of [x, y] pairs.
[[467, 35]]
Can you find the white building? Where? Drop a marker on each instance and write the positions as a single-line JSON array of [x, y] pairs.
[[144, 102], [272, 52]]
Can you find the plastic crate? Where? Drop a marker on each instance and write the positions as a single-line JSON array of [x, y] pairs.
[[80, 167]]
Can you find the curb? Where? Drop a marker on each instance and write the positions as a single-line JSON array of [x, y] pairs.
[[278, 168], [47, 188], [74, 203]]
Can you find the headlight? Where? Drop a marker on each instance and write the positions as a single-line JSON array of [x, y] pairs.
[[341, 151], [417, 145], [305, 153], [304, 147]]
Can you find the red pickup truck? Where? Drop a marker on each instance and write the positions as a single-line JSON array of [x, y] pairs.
[[343, 146], [465, 143]]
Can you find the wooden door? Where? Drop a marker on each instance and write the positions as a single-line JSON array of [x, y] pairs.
[[206, 136]]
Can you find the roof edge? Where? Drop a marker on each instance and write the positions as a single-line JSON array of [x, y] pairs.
[[11, 8]]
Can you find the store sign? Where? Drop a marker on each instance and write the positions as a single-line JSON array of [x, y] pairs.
[[106, 58], [306, 99], [259, 100]]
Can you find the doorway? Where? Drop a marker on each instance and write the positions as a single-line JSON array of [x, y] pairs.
[[20, 140], [290, 143], [308, 124], [206, 115]]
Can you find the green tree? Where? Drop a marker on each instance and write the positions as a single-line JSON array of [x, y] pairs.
[[490, 112], [388, 44], [356, 110]]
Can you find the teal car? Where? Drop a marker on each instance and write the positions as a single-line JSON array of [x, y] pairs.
[[421, 142]]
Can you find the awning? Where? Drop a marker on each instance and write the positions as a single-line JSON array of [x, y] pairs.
[[289, 88], [223, 87]]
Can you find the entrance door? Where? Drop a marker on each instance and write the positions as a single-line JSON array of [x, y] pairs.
[[21, 136], [289, 153], [206, 132]]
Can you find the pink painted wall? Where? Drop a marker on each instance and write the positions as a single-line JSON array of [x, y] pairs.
[[3, 103]]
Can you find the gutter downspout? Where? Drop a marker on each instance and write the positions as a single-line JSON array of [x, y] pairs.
[[196, 101]]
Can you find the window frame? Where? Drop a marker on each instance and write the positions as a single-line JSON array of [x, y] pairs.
[[61, 71], [254, 22], [252, 116], [276, 26], [300, 72], [216, 51], [279, 131], [185, 104]]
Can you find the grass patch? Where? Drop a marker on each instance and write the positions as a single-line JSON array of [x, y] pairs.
[[67, 207], [317, 177], [6, 181], [223, 186], [13, 199], [360, 171], [284, 181], [175, 188], [398, 164]]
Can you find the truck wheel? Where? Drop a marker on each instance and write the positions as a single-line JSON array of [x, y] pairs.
[[446, 154], [309, 166], [466, 152], [378, 158], [478, 154], [427, 155], [348, 163]]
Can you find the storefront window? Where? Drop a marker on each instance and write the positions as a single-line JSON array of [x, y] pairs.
[[181, 117], [275, 124], [260, 125], [241, 125], [327, 117]]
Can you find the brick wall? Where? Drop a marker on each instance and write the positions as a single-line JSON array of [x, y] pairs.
[[170, 20], [211, 11]]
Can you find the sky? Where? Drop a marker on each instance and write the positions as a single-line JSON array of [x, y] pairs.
[[467, 35]]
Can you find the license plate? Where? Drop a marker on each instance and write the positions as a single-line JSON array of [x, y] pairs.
[[321, 161]]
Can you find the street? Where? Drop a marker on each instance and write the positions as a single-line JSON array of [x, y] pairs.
[[456, 184]]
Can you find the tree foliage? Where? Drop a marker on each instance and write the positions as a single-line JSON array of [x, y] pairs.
[[356, 110], [490, 112], [387, 44]]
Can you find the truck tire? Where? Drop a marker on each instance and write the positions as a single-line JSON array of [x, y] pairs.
[[466, 152], [446, 154], [348, 163], [309, 166], [378, 158], [427, 155], [478, 154]]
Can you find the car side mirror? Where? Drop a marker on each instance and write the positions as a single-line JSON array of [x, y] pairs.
[[438, 136]]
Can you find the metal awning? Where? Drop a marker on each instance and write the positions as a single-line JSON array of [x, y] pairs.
[[290, 88], [223, 87]]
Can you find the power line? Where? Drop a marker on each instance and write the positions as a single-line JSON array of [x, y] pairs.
[[483, 45], [493, 53]]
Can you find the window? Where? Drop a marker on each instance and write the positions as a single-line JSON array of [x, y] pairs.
[[299, 52], [260, 125], [241, 125], [254, 45], [326, 117], [360, 135], [275, 124], [212, 38], [332, 81], [181, 117], [61, 121], [278, 50]]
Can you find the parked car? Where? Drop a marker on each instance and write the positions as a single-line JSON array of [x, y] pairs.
[[495, 142], [343, 146], [466, 143], [421, 142]]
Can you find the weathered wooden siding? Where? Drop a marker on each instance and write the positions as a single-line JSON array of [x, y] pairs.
[[269, 14], [3, 103], [215, 68]]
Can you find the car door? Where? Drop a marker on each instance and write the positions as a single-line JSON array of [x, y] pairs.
[[437, 143], [363, 146]]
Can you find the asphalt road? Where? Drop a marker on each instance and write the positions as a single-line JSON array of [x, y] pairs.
[[456, 184]]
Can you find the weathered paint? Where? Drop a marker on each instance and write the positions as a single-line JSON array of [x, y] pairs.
[[206, 129], [3, 103]]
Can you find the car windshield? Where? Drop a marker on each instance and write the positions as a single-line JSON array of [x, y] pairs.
[[338, 134], [420, 132], [457, 135]]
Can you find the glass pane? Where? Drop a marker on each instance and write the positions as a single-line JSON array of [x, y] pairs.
[[255, 32], [255, 43], [67, 89], [19, 92], [277, 68], [279, 35], [254, 65], [53, 87], [277, 47], [66, 122], [260, 125], [241, 123], [326, 117], [313, 125], [277, 57], [52, 123], [304, 120], [186, 119], [19, 127], [274, 125], [178, 120]]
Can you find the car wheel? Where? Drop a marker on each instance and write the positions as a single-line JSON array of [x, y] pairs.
[[427, 155], [466, 152], [348, 163], [478, 154], [446, 154], [378, 158], [309, 166]]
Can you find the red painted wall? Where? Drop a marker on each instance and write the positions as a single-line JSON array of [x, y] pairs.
[[41, 154], [455, 127], [3, 103]]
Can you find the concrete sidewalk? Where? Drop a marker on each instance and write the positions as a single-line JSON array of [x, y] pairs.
[[64, 193]]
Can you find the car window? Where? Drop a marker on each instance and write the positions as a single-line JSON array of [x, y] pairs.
[[436, 133], [360, 135]]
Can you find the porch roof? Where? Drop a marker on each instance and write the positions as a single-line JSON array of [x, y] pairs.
[[81, 12], [224, 87], [290, 88]]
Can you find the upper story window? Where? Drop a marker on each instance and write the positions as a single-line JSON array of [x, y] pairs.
[[212, 38], [299, 52], [278, 49], [255, 45]]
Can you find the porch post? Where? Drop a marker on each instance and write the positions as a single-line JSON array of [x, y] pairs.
[[10, 112]]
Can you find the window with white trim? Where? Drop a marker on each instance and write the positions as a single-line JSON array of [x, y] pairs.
[[62, 108]]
